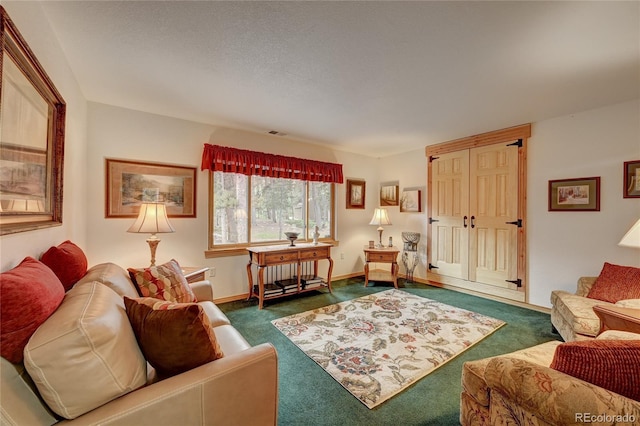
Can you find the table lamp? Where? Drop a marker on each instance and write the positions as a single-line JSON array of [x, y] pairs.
[[152, 219], [632, 237], [380, 218]]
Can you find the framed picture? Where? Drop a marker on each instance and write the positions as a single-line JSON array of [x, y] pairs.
[[130, 183], [411, 200], [32, 117], [389, 194], [631, 179], [356, 191], [581, 194]]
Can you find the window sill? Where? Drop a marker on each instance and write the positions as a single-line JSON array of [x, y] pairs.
[[240, 251]]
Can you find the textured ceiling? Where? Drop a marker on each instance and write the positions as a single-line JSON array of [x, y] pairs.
[[371, 77]]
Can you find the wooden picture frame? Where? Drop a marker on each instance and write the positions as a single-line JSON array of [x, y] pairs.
[[631, 179], [32, 129], [389, 194], [356, 193], [130, 183], [579, 194], [411, 200]]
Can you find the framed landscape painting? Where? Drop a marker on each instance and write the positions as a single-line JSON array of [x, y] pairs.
[[580, 194], [631, 179], [411, 200], [131, 183], [389, 194], [356, 191]]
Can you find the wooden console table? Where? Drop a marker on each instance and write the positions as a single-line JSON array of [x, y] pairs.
[[618, 318], [381, 255], [280, 282]]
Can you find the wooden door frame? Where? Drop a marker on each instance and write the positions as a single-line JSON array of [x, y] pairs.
[[517, 133]]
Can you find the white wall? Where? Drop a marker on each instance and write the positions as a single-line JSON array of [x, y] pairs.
[[566, 245], [34, 27]]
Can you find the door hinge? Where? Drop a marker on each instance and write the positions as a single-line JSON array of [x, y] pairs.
[[518, 223], [431, 220], [517, 282], [431, 158], [517, 143]]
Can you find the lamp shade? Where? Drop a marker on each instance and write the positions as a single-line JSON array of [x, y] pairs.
[[380, 217], [632, 237], [152, 219]]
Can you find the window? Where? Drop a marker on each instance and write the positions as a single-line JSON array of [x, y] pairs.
[[254, 200], [257, 209]]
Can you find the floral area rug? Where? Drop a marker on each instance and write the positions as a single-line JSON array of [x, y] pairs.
[[376, 346]]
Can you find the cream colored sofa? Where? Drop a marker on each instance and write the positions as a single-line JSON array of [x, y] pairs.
[[519, 388], [240, 388], [572, 314]]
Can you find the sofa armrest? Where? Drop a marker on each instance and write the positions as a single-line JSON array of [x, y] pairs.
[[552, 396], [239, 389], [203, 290], [584, 285], [629, 303]]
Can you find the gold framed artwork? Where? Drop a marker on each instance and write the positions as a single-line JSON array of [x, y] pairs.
[[389, 194], [579, 194], [32, 118], [411, 200], [356, 192], [130, 183], [631, 179]]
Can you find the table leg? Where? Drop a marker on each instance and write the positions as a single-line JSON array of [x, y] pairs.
[[366, 274], [261, 286], [250, 277], [394, 272], [329, 274]]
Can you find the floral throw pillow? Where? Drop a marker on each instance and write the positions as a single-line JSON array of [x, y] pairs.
[[616, 283], [165, 282]]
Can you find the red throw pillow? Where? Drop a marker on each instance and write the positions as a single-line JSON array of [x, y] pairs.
[[30, 293], [610, 364], [67, 261], [165, 282], [615, 283], [173, 337]]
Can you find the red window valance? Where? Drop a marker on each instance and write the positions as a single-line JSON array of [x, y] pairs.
[[233, 160]]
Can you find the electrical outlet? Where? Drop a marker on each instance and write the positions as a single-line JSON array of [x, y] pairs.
[[341, 256], [212, 271]]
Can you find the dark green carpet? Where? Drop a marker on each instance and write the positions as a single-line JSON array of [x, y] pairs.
[[310, 396]]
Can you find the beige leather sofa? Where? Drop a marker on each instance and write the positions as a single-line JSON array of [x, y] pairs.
[[240, 388], [519, 388], [572, 314]]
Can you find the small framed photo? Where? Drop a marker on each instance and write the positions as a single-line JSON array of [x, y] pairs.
[[631, 179], [389, 194], [131, 183], [580, 194], [411, 200], [356, 191]]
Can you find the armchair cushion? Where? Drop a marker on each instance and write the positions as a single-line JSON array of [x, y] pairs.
[[616, 283], [30, 293], [85, 354], [610, 364], [174, 337], [67, 261], [165, 282]]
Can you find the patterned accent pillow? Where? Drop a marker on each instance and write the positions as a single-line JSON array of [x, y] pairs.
[[174, 337], [610, 364], [30, 293], [164, 282], [67, 261], [616, 283]]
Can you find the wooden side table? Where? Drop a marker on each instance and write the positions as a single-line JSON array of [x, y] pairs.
[[381, 255], [194, 274], [618, 318]]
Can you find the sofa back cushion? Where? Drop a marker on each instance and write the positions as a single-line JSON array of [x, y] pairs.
[[610, 364], [67, 261], [29, 293], [113, 276], [616, 283], [85, 354]]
